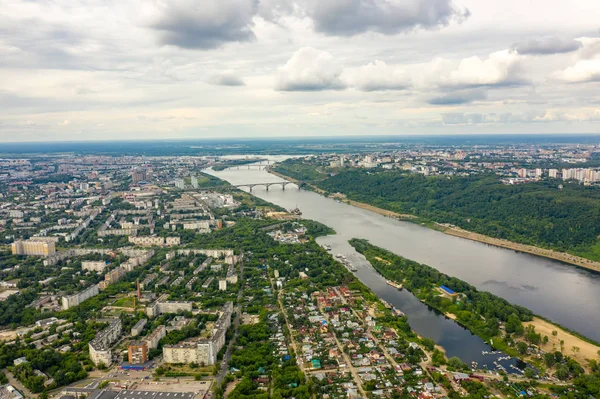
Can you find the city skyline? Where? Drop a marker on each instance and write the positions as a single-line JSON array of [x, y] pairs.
[[281, 68]]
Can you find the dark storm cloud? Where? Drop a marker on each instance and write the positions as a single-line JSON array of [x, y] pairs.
[[547, 46], [352, 17], [205, 25], [458, 98]]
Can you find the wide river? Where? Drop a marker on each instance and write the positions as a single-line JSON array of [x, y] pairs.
[[559, 292]]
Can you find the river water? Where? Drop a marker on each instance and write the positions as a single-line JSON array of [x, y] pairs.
[[559, 292]]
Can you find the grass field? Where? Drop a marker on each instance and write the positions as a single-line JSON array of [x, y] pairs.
[[125, 302]]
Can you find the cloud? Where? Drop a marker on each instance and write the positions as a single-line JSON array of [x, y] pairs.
[[310, 70], [226, 79], [458, 98], [582, 71], [587, 66], [456, 118], [206, 24], [547, 45], [378, 76], [352, 17], [502, 68], [590, 48]]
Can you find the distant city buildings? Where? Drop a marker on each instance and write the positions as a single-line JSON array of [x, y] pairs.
[[138, 175], [180, 183]]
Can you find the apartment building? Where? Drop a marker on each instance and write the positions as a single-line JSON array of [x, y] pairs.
[[33, 248]]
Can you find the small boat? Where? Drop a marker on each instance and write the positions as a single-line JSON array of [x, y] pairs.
[[296, 211], [393, 284], [398, 312], [351, 267], [387, 305], [327, 247]]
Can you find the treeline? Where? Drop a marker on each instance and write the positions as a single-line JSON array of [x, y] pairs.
[[478, 310], [551, 214]]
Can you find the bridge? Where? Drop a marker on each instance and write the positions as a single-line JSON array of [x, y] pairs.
[[283, 184], [250, 186], [250, 166]]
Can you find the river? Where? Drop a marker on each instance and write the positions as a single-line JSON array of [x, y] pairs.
[[562, 293]]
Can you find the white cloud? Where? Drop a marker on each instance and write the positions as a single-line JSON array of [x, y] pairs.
[[378, 76], [587, 66], [310, 70], [101, 63], [582, 71], [502, 68]]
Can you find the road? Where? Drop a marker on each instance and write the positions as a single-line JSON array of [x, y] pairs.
[[236, 325], [346, 357], [15, 383]]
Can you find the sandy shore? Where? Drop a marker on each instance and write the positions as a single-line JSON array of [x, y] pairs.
[[586, 351]]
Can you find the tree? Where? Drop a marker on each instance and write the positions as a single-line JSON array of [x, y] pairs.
[[562, 372], [530, 373], [522, 347], [549, 360], [456, 363]]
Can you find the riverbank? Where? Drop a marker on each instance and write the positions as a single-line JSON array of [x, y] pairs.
[[546, 253], [576, 347], [558, 339], [469, 235]]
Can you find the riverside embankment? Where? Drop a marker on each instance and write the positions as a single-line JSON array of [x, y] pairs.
[[567, 295], [469, 235]]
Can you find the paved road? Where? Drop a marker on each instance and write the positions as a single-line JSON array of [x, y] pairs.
[[236, 324]]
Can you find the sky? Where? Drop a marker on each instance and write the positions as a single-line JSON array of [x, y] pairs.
[[193, 69]]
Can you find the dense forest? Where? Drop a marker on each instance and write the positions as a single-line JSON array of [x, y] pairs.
[[304, 170], [548, 214]]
